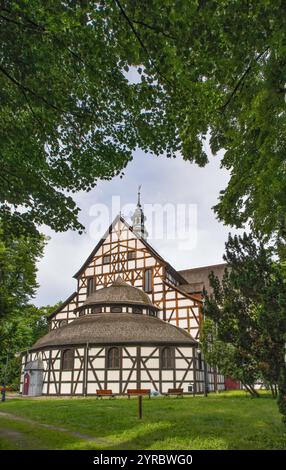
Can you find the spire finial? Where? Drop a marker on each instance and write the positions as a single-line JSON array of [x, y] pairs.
[[139, 195]]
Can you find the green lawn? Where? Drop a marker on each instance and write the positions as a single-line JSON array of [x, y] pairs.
[[221, 421]]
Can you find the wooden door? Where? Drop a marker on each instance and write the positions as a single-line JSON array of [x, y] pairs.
[[26, 383]]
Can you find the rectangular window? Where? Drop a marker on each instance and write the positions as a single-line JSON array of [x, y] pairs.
[[90, 285], [106, 259], [131, 255], [147, 285]]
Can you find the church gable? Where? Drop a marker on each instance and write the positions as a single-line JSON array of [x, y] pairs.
[[65, 313], [121, 252]]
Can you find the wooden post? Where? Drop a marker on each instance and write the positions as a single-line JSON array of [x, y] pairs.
[[194, 372], [140, 406]]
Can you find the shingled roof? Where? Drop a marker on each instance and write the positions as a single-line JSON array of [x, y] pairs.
[[119, 293], [116, 329], [198, 278]]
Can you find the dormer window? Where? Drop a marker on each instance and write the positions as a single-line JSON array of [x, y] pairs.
[[171, 278], [116, 309], [137, 310], [95, 310]]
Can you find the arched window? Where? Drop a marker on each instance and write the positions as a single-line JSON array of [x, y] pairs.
[[113, 358], [63, 323], [167, 358], [68, 359]]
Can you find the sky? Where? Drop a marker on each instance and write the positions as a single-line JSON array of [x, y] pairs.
[[175, 182]]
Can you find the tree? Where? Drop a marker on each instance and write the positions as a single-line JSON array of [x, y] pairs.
[[229, 359], [18, 257], [18, 332], [248, 311], [20, 323], [222, 68], [70, 115]]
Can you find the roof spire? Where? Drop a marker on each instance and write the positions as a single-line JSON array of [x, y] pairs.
[[139, 196], [138, 218]]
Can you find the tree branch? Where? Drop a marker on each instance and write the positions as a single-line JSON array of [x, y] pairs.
[[129, 21], [25, 17], [24, 88], [159, 31], [23, 25], [241, 80], [27, 89]]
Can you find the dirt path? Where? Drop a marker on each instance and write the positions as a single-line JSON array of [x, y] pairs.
[[13, 417]]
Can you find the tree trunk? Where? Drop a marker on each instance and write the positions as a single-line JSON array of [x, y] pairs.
[[282, 393], [273, 388], [251, 390]]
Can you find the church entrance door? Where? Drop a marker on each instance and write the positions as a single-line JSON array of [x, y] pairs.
[[26, 383]]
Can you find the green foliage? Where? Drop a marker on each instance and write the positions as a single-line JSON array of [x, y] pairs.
[[69, 115], [222, 67], [230, 360], [18, 257], [247, 312], [21, 323], [18, 332], [10, 370]]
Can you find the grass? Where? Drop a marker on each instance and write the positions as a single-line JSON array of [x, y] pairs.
[[230, 420]]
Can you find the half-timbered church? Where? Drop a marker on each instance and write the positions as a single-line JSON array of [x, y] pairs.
[[132, 325]]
